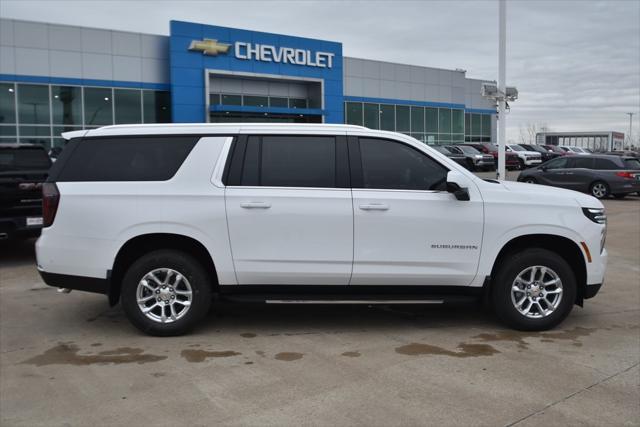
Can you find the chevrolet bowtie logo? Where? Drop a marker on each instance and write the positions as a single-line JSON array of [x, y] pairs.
[[209, 46]]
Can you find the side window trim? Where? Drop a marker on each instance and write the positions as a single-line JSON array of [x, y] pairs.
[[235, 160], [357, 173]]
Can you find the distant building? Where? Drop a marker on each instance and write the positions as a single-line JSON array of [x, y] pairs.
[[596, 141]]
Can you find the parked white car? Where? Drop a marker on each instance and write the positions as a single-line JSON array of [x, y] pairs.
[[164, 217], [527, 158], [574, 150]]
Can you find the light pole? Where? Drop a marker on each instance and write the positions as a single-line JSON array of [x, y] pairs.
[[499, 94], [630, 121], [502, 88]]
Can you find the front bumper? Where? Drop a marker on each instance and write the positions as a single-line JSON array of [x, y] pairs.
[[531, 162], [592, 290]]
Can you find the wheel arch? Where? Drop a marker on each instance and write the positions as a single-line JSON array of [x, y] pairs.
[[139, 245], [562, 246]]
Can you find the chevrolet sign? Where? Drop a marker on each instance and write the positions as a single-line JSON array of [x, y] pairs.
[[266, 53]]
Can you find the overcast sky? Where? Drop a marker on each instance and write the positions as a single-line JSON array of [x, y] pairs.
[[575, 63]]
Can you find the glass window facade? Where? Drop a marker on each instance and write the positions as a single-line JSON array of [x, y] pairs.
[[427, 124], [66, 104], [127, 106], [371, 116], [477, 127], [38, 113]]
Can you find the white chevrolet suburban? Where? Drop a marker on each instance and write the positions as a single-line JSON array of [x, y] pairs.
[[165, 218]]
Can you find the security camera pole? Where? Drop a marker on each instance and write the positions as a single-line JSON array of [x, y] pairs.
[[502, 89], [630, 128], [501, 93]]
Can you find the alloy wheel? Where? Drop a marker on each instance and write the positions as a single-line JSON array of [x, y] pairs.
[[164, 295], [536, 292], [599, 190]]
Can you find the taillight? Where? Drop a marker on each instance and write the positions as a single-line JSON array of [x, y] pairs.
[[626, 175], [50, 200]]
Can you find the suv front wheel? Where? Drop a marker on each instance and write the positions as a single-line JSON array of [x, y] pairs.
[[534, 290], [166, 293]]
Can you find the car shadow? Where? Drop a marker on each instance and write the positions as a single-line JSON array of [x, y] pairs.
[[17, 252], [255, 319]]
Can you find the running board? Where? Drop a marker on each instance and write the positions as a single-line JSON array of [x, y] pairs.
[[348, 294], [360, 301]]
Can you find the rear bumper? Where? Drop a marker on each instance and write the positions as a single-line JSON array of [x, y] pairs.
[[625, 186], [80, 283], [20, 225]]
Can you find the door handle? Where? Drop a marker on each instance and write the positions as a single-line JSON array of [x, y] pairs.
[[375, 207], [255, 205]]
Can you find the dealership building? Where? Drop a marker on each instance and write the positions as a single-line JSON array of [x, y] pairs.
[[56, 78]]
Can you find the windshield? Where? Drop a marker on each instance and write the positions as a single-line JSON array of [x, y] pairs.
[[516, 148], [21, 158], [467, 149], [441, 149], [632, 164]]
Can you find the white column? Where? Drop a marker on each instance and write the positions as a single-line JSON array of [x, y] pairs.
[[502, 88]]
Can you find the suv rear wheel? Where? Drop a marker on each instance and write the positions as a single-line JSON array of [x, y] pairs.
[[165, 293], [534, 290]]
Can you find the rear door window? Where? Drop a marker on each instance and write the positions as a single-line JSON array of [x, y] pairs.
[[581, 163], [147, 158], [393, 165], [291, 161], [605, 164]]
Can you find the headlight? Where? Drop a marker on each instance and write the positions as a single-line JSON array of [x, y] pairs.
[[478, 156], [596, 215]]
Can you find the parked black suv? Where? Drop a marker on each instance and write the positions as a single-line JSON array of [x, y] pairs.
[[476, 161], [23, 169], [546, 154]]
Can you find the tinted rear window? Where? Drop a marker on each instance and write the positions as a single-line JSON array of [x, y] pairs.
[[605, 164], [148, 158], [23, 158], [632, 164], [581, 162]]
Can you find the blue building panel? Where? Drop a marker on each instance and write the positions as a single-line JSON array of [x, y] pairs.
[[188, 67]]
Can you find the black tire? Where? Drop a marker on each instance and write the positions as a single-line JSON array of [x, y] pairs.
[[511, 266], [620, 196], [597, 186], [521, 164], [471, 166], [530, 180], [188, 267]]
